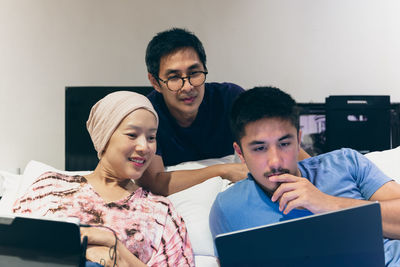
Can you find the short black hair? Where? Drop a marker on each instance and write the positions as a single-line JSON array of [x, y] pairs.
[[169, 41], [262, 102]]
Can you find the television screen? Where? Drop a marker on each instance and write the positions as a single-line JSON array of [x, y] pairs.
[[312, 126]]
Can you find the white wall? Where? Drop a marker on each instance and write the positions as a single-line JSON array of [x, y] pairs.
[[310, 48]]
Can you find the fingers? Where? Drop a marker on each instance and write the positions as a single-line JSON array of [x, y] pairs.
[[287, 200], [99, 254], [289, 193], [98, 236], [292, 200], [288, 183], [294, 204], [300, 193]]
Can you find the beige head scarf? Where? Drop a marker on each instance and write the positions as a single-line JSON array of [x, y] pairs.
[[108, 112]]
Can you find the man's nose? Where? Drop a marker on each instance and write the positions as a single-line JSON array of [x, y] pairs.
[[186, 84], [274, 158]]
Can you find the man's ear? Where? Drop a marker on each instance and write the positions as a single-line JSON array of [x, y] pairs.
[[154, 82], [238, 151]]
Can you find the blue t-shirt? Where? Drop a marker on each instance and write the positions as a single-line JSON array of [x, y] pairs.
[[209, 136], [341, 173]]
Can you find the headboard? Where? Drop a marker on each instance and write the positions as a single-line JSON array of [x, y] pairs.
[[79, 151]]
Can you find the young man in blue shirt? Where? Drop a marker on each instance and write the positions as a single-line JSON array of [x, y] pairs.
[[265, 124]]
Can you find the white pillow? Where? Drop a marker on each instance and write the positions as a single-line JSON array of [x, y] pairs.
[[388, 161], [194, 204], [34, 169], [206, 261], [9, 183], [16, 185]]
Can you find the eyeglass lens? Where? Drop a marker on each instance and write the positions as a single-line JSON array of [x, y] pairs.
[[196, 79]]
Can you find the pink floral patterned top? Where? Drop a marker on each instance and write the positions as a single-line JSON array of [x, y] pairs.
[[147, 224]]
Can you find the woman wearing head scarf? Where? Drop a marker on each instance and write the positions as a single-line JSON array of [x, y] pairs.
[[129, 225]]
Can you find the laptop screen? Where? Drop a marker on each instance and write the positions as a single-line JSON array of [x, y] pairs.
[[26, 241], [349, 237]]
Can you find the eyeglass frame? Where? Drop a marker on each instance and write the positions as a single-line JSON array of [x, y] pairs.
[[183, 80]]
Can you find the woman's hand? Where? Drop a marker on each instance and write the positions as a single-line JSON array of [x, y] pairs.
[[98, 236], [101, 254], [101, 245], [101, 248]]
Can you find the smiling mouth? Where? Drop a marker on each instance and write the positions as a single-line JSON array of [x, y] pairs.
[[188, 100], [137, 162]]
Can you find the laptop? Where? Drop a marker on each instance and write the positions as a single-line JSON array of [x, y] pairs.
[[28, 241], [348, 237]]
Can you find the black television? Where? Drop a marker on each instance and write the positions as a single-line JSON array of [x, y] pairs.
[[313, 121], [79, 151]]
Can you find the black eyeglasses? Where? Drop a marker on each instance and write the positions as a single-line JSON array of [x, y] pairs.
[[176, 83]]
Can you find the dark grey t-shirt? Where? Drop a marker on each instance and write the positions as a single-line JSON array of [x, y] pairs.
[[209, 136]]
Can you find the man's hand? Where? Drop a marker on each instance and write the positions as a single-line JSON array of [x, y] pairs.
[[234, 171], [297, 192]]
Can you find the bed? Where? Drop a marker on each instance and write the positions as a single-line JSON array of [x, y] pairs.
[[193, 204]]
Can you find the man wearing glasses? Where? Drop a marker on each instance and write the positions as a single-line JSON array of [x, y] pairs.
[[194, 122]]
